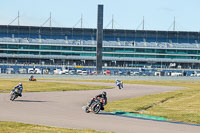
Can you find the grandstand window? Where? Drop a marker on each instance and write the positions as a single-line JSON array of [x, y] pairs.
[[149, 50], [151, 34], [65, 48], [76, 54], [110, 55], [139, 39], [3, 35], [129, 50], [183, 41], [108, 49], [160, 50], [119, 49], [108, 38], [193, 35], [192, 41], [150, 56], [77, 48], [162, 40], [140, 50], [172, 35], [13, 46], [3, 46], [88, 54], [192, 52], [34, 46], [89, 49], [20, 35], [171, 51], [34, 53], [23, 52], [64, 53], [160, 56], [183, 57], [55, 47], [45, 47], [172, 57], [12, 52], [23, 46], [45, 53], [162, 34], [3, 29], [182, 51], [142, 56], [55, 53], [150, 39], [140, 34], [34, 36]]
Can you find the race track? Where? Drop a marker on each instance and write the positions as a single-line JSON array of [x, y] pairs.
[[64, 109]]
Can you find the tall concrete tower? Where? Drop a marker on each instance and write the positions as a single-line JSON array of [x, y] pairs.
[[99, 39]]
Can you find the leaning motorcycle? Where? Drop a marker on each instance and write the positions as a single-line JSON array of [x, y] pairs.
[[32, 79], [14, 95], [120, 85], [95, 106]]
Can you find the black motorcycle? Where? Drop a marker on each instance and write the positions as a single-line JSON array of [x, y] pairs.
[[95, 106], [14, 95]]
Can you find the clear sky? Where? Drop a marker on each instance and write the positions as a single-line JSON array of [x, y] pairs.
[[128, 14]]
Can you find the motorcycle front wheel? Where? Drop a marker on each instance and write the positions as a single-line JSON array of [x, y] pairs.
[[12, 98], [87, 110], [97, 108]]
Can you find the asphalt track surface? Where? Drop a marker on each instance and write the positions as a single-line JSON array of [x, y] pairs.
[[64, 109]]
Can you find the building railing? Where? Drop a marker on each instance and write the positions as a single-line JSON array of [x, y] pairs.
[[105, 43], [94, 67]]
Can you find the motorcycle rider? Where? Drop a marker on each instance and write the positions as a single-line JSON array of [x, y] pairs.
[[118, 82], [103, 96], [19, 88], [31, 77]]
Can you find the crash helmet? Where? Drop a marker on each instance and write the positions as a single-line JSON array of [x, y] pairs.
[[104, 93], [20, 84]]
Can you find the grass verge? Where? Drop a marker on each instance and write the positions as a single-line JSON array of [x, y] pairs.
[[15, 127], [181, 105], [7, 85]]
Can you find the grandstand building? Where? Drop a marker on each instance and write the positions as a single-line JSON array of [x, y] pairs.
[[121, 48]]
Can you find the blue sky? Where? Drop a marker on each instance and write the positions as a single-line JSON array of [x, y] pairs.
[[128, 14]]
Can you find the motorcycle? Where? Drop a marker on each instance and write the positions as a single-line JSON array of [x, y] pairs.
[[95, 106], [32, 79], [120, 85], [14, 95]]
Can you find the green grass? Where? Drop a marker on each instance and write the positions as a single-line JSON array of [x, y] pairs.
[[180, 105], [83, 80], [31, 86], [15, 127]]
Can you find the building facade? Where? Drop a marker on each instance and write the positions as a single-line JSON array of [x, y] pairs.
[[121, 48]]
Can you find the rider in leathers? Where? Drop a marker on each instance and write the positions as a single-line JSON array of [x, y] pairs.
[[118, 82], [103, 96], [19, 88]]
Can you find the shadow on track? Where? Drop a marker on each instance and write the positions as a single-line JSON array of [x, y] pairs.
[[31, 101]]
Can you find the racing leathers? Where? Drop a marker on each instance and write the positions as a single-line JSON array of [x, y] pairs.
[[99, 97], [118, 82], [19, 89], [103, 97]]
